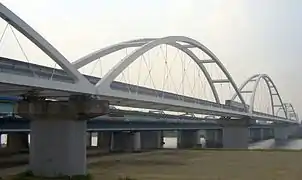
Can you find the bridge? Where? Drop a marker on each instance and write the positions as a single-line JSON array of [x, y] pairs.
[[58, 101]]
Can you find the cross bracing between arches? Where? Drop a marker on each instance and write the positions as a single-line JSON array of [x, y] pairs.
[[273, 91], [149, 43]]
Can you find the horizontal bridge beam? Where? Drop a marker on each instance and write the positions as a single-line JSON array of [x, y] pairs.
[[206, 61], [277, 105], [246, 91], [220, 81]]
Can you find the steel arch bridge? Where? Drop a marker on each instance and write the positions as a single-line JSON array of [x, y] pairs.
[[16, 78], [273, 91]]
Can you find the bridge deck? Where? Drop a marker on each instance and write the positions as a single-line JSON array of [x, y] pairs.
[[11, 124], [52, 82]]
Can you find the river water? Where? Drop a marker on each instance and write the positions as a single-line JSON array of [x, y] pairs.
[[171, 142], [267, 144]]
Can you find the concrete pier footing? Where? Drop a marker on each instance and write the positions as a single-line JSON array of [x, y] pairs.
[[58, 134], [121, 141], [151, 140], [17, 141], [136, 141], [281, 133], [58, 147], [235, 133], [104, 140], [213, 138], [256, 134], [88, 139], [188, 139]]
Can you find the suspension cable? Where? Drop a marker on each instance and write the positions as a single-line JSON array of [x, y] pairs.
[[29, 65]]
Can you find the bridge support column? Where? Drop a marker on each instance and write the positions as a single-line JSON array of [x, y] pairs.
[[235, 133], [213, 138], [293, 129], [267, 133], [261, 134], [151, 140], [104, 140], [126, 141], [17, 141], [256, 134], [117, 141], [296, 133], [188, 139], [281, 133], [121, 141], [270, 133], [136, 141], [58, 134], [88, 139]]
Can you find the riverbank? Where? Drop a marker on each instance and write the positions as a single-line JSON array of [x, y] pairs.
[[199, 164], [176, 164]]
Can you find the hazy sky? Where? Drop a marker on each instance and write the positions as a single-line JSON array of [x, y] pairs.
[[247, 36]]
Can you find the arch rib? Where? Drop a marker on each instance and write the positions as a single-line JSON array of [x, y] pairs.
[[271, 95], [172, 40], [244, 84], [268, 81], [44, 45], [136, 43], [108, 50], [290, 106]]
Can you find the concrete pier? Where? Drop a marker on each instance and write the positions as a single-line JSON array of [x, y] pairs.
[[235, 133], [297, 133], [188, 139], [268, 133], [281, 133], [256, 134], [58, 147], [17, 141], [104, 140], [121, 141], [151, 140], [213, 138], [58, 134], [137, 142], [88, 139], [126, 141]]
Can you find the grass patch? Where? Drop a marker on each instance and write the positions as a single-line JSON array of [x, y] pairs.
[[208, 164], [192, 164]]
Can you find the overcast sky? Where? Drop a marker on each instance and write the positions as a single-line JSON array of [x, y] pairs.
[[247, 36]]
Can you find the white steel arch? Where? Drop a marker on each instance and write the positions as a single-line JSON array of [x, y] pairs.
[[146, 45], [139, 42], [44, 45], [290, 110], [83, 61], [270, 84]]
